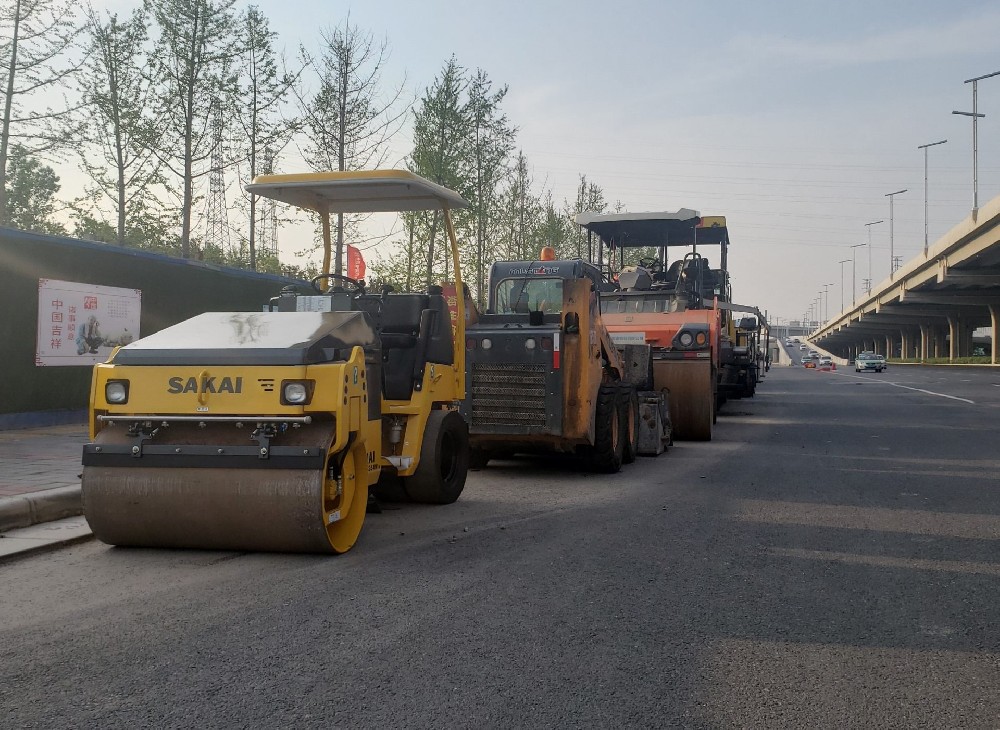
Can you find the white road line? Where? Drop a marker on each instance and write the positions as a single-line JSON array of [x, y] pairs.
[[907, 387]]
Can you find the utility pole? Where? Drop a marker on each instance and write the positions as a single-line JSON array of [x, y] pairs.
[[869, 227], [924, 148], [842, 282], [892, 253], [976, 116], [854, 274], [216, 210]]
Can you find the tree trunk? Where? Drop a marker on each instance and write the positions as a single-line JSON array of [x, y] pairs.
[[430, 248]]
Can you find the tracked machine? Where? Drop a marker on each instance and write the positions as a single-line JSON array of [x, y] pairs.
[[266, 430], [544, 374], [702, 353]]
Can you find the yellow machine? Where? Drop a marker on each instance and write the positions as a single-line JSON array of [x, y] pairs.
[[265, 430]]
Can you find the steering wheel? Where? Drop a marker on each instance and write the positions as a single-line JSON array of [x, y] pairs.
[[653, 265], [355, 286]]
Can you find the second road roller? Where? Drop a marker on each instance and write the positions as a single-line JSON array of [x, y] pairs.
[[265, 430]]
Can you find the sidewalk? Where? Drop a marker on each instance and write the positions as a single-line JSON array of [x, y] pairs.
[[40, 483]]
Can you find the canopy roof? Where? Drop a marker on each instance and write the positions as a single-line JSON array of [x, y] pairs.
[[366, 191], [684, 227]]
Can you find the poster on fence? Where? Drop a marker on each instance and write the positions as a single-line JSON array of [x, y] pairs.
[[79, 324]]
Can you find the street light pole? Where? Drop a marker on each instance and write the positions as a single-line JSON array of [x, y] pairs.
[[869, 227], [842, 283], [854, 273], [976, 116], [924, 148], [892, 252]]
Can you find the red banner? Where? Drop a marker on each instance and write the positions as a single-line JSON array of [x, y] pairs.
[[355, 263]]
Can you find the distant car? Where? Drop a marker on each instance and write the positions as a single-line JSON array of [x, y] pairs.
[[826, 360], [869, 361], [808, 361], [803, 347]]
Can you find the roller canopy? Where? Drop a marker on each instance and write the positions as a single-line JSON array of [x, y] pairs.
[[684, 227], [368, 191], [253, 338]]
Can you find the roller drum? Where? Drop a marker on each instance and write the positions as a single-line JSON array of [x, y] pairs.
[[692, 397], [246, 509]]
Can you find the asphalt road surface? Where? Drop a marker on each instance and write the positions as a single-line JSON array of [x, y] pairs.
[[829, 560]]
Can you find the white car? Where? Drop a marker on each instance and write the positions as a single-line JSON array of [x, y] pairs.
[[869, 361]]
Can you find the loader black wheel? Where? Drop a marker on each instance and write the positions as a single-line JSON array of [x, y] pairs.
[[629, 406], [609, 447], [444, 460]]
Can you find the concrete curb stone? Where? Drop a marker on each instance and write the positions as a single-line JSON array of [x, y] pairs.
[[45, 506]]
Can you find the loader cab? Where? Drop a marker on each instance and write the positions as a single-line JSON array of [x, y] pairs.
[[523, 287]]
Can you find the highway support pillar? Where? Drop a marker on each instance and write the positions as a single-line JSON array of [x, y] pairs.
[[925, 342], [904, 344], [953, 328], [888, 346]]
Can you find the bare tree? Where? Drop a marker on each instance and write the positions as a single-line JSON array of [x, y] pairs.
[[193, 64], [263, 88], [348, 122], [121, 132], [35, 38]]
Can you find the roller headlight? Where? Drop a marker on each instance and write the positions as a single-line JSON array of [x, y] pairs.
[[296, 392], [686, 339], [116, 391], [530, 344], [487, 343]]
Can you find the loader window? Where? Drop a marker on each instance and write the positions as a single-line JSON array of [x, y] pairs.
[[529, 295]]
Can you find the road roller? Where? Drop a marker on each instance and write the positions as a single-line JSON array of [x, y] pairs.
[[544, 374], [265, 431], [683, 309]]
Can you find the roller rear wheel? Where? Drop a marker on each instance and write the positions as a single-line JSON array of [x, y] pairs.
[[444, 460]]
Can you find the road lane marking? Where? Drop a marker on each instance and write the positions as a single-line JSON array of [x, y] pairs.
[[918, 522], [889, 561], [907, 387]]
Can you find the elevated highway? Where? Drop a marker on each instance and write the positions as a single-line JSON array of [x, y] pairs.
[[930, 307]]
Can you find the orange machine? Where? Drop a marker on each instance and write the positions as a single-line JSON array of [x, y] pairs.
[[682, 309]]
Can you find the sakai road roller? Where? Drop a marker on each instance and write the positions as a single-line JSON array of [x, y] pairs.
[[683, 309], [265, 430], [544, 374]]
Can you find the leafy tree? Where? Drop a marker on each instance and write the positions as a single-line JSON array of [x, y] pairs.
[[31, 192], [193, 65], [262, 89], [147, 229], [491, 143], [120, 131], [347, 122], [589, 198], [35, 38], [441, 140]]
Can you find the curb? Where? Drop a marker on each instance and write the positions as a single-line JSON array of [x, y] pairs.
[[47, 505]]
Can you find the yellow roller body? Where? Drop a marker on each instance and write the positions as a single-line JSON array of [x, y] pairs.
[[692, 396]]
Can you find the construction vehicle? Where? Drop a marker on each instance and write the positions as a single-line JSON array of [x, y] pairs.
[[702, 354], [544, 374], [265, 430]]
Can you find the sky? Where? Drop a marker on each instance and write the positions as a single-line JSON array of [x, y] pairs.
[[792, 119]]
